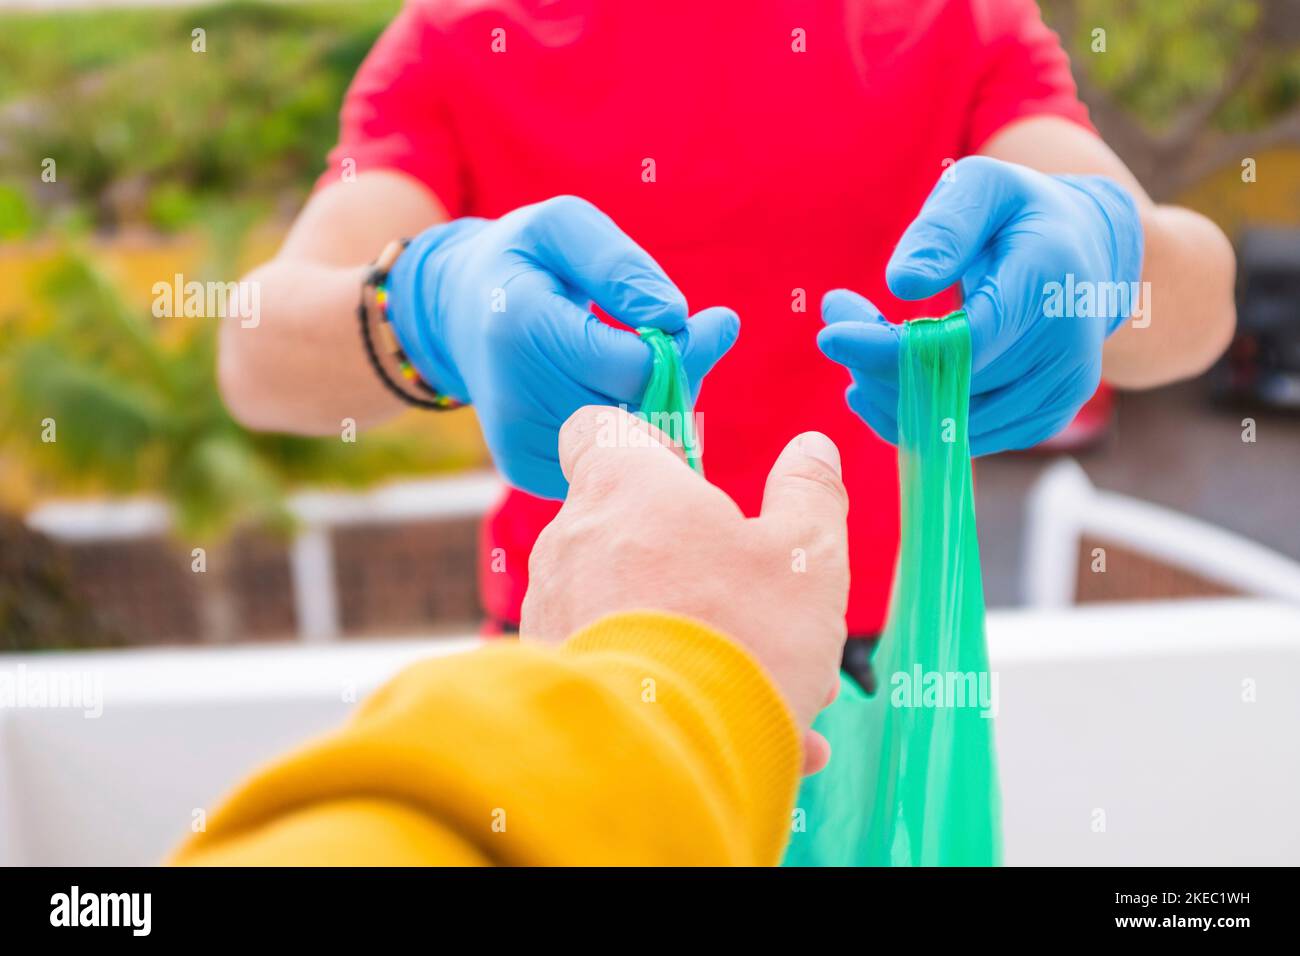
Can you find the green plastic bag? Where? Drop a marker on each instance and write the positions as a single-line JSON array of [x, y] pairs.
[[913, 779], [666, 402]]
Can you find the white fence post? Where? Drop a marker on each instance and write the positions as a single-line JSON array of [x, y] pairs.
[[315, 591]]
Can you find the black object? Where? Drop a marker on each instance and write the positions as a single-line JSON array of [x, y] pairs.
[[1263, 363], [856, 661]]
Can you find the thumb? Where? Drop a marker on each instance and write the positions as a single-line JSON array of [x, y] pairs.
[[969, 204], [708, 335], [805, 487]]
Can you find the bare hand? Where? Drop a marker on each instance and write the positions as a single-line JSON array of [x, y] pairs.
[[641, 531]]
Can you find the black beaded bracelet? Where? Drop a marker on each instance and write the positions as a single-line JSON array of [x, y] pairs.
[[375, 287]]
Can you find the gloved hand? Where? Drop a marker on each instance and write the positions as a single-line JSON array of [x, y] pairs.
[[1007, 233], [495, 312]]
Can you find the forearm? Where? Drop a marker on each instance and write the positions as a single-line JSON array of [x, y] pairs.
[[302, 367], [1188, 315]]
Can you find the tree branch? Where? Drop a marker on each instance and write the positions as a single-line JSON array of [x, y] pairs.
[[1231, 149], [1191, 121]]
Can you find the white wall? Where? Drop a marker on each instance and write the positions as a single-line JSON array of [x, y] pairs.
[[1136, 710]]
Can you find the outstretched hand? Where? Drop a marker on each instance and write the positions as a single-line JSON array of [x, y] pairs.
[[640, 530]]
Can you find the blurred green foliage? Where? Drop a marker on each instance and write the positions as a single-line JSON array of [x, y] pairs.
[[16, 215], [1162, 56], [146, 131], [136, 408]]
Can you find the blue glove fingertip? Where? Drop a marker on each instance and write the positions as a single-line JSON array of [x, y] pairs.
[[653, 301], [706, 338], [844, 305], [917, 273], [871, 347]]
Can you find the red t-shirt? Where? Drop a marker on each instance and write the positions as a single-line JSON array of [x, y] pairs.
[[792, 144]]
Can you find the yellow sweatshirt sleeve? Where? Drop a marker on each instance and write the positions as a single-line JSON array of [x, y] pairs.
[[644, 739]]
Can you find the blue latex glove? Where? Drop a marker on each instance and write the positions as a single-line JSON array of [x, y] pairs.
[[495, 312], [1007, 233]]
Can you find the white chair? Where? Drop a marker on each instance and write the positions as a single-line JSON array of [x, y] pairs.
[[1065, 510]]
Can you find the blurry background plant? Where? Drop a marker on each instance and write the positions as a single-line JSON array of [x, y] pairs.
[[135, 406], [1183, 90], [164, 167], [144, 136]]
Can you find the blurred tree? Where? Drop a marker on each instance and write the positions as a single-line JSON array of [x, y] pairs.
[[147, 132], [136, 409], [1181, 90]]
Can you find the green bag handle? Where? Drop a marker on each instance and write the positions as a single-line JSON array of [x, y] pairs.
[[908, 784], [913, 776], [666, 403]]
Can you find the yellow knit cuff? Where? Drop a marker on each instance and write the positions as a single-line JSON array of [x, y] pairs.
[[724, 704]]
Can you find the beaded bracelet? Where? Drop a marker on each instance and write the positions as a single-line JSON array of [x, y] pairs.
[[376, 283]]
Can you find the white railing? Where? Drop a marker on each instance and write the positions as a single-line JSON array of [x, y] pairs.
[[1134, 708], [317, 513], [1063, 506]]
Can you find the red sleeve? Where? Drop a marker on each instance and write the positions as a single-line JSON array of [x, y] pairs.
[[1025, 71], [395, 113]]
